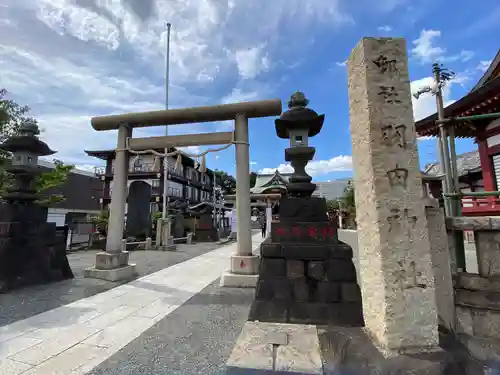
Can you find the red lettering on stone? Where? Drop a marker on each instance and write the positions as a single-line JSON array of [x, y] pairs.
[[331, 232], [280, 231], [328, 232], [312, 232], [242, 264]]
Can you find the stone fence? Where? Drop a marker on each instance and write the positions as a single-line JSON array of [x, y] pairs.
[[468, 303], [477, 295]]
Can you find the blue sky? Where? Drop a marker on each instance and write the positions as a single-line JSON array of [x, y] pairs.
[[70, 60]]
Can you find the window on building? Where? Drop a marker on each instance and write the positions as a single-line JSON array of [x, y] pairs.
[[155, 183], [137, 164], [496, 167]]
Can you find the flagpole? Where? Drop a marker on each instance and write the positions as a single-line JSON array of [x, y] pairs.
[[165, 200]]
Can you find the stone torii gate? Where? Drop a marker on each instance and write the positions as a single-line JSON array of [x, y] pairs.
[[267, 198], [113, 263]]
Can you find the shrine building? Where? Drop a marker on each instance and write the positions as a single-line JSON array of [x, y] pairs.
[[480, 171]]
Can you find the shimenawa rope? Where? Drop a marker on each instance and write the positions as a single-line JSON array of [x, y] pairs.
[[179, 153]]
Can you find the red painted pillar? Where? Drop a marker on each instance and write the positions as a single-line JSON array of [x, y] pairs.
[[486, 164]]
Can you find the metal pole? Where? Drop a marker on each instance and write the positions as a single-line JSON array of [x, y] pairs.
[[450, 206], [443, 144], [165, 160], [454, 170], [215, 203]]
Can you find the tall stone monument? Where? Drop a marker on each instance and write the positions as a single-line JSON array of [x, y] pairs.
[[31, 252], [306, 275], [397, 278]]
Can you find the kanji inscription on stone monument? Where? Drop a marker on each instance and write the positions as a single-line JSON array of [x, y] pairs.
[[394, 135], [389, 212], [385, 64], [398, 176], [389, 94], [407, 276], [402, 221]]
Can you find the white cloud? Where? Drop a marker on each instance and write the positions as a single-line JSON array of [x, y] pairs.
[[384, 29], [425, 105], [70, 61], [426, 51], [341, 63], [484, 65], [424, 48], [192, 150], [251, 62], [253, 163], [86, 167], [318, 167]]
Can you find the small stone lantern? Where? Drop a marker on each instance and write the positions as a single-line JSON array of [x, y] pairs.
[[298, 124], [25, 149], [31, 252]]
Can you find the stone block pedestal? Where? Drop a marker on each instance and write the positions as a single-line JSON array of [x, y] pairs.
[[112, 267], [168, 246], [306, 275], [243, 272]]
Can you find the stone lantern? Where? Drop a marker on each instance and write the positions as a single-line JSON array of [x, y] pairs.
[[31, 252], [306, 274], [298, 124]]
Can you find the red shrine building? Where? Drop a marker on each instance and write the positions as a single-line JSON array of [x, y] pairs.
[[478, 171]]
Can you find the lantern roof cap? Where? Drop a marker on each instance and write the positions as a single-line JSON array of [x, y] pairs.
[[27, 140], [29, 128], [298, 117]]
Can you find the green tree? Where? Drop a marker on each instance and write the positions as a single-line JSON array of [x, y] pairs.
[[332, 204], [348, 198], [47, 183], [12, 116], [228, 185], [101, 221], [253, 179], [349, 205]]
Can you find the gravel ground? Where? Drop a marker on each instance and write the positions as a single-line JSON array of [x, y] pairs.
[[21, 304], [197, 338]]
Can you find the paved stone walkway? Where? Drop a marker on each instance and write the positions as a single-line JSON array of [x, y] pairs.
[[78, 337], [21, 304]]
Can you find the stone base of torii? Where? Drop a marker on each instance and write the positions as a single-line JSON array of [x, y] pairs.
[[244, 270]]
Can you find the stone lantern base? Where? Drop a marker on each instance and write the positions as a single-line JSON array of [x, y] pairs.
[[306, 274], [32, 251]]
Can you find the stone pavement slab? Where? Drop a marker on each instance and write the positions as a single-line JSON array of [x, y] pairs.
[[276, 348], [76, 337], [197, 338], [21, 304]]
